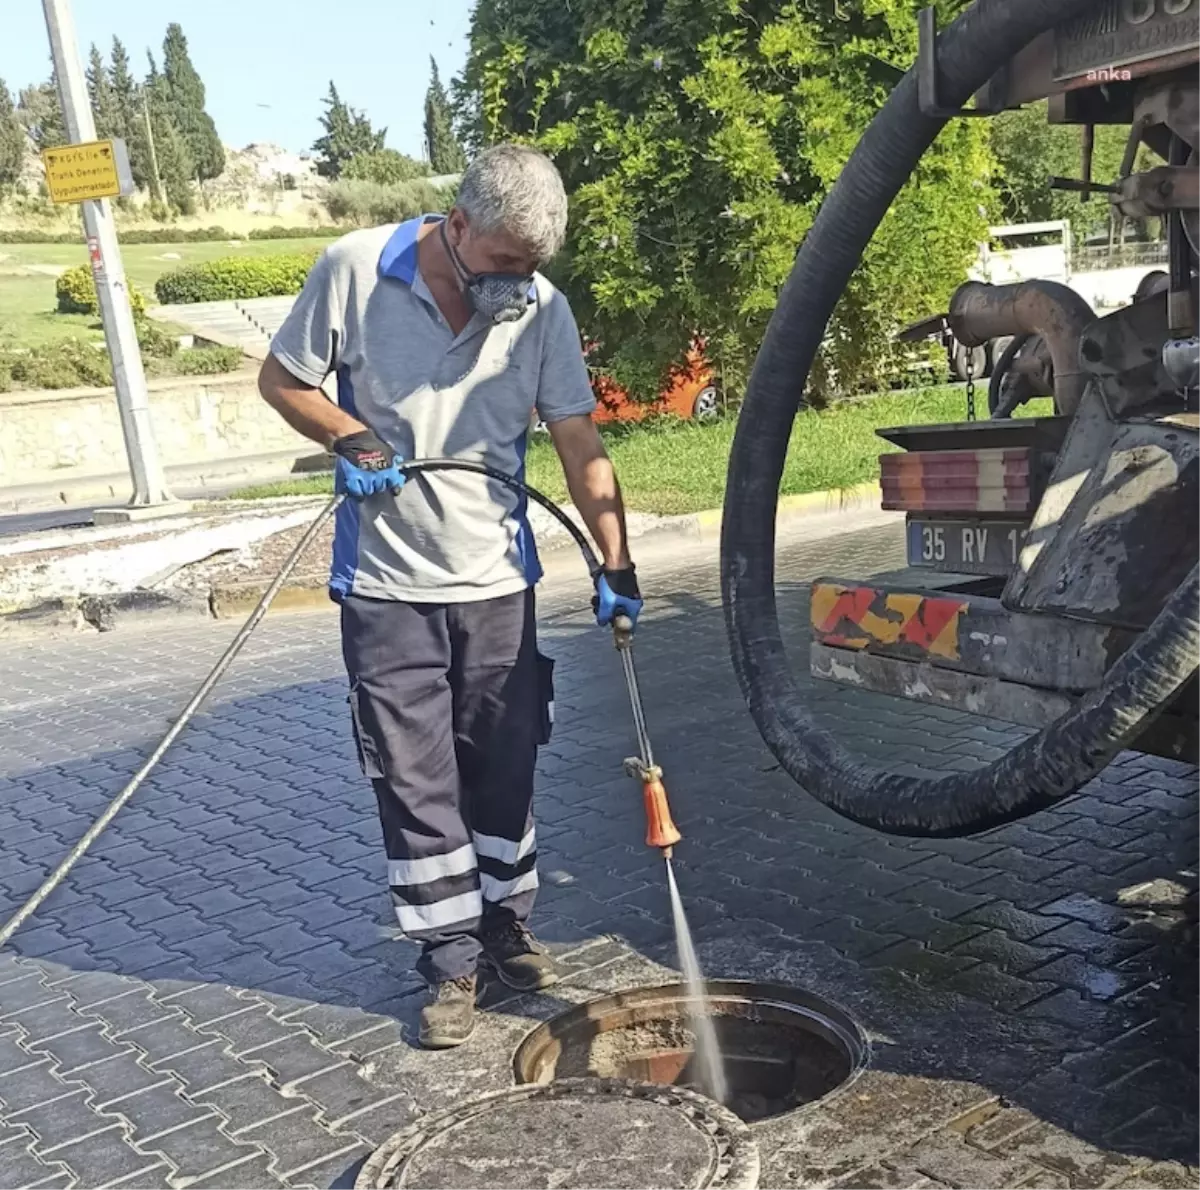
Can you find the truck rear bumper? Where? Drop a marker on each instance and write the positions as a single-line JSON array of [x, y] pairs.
[[950, 647]]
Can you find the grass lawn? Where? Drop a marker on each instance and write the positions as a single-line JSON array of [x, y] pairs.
[[27, 316], [676, 467]]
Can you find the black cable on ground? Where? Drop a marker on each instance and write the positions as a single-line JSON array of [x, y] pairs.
[[235, 646], [1060, 758]]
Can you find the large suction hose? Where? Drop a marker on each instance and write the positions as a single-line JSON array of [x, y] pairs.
[[1060, 758]]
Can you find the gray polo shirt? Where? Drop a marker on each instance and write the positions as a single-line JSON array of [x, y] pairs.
[[366, 314]]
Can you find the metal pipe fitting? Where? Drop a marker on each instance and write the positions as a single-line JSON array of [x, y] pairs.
[[980, 312]]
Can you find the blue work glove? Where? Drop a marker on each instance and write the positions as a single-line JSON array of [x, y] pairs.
[[616, 593], [365, 465]]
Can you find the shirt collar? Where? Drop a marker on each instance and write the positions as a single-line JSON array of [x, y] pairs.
[[399, 256]]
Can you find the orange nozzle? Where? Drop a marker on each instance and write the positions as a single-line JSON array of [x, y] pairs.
[[661, 831]]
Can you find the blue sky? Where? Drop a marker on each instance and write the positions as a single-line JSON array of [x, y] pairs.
[[266, 72]]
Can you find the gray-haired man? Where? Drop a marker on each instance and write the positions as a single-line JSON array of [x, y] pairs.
[[444, 340]]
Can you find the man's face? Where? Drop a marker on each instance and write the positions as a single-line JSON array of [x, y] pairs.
[[495, 252]]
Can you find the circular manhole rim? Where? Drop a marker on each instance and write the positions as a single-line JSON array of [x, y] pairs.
[[832, 1022], [738, 1162]]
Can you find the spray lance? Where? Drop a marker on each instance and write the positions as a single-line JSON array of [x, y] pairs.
[[660, 830]]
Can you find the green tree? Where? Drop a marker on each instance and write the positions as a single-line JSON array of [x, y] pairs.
[[697, 139], [12, 140], [130, 117], [41, 115], [442, 148], [1029, 151], [348, 134], [385, 166], [103, 99], [185, 96], [175, 165]]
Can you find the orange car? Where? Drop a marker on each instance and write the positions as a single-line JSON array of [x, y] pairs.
[[690, 395]]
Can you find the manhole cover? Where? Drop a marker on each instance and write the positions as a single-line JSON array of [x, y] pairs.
[[572, 1135], [781, 1047]]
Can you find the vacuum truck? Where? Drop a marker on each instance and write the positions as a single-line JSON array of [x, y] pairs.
[[1052, 560]]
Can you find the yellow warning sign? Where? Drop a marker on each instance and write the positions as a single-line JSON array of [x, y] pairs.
[[78, 172]]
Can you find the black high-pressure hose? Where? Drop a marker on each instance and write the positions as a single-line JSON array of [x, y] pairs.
[[416, 466], [1060, 758], [413, 467]]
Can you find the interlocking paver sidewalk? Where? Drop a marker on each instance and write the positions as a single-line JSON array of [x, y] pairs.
[[216, 997]]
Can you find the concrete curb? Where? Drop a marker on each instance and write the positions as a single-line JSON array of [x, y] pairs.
[[227, 601], [832, 502]]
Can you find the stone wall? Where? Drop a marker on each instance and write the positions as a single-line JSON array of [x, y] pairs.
[[66, 434]]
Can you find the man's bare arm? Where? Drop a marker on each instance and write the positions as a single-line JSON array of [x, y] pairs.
[[307, 410], [593, 485]]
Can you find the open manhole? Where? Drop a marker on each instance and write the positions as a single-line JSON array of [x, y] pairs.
[[781, 1047], [571, 1135]]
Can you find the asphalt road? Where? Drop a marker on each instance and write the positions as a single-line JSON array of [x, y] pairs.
[[18, 523]]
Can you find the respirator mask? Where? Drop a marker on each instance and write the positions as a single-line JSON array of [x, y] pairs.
[[499, 297]]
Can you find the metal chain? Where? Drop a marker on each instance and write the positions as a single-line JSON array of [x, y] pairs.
[[970, 384]]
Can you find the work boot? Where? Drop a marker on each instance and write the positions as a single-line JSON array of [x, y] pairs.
[[449, 1017], [517, 957]]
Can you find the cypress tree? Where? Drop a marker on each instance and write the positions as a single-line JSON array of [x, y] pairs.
[[12, 139], [41, 115], [175, 165], [102, 97], [446, 155], [130, 117], [185, 96]]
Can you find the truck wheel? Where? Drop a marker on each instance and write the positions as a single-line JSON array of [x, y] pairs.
[[958, 361]]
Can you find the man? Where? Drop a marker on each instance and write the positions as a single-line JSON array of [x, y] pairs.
[[444, 339]]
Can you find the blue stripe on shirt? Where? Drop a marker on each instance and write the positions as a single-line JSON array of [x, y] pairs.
[[346, 519], [526, 545]]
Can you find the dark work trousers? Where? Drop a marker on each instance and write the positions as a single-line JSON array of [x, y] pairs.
[[449, 704]]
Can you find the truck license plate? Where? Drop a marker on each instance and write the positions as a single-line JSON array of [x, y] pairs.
[[965, 547]]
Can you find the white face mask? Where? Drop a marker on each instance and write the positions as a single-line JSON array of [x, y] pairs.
[[500, 297]]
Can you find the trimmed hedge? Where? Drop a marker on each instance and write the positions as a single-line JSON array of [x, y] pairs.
[[296, 233], [134, 235], [75, 363], [236, 277], [207, 361], [76, 293], [18, 236], [173, 235]]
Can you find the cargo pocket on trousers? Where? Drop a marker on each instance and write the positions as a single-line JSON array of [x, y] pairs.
[[368, 752], [545, 671]]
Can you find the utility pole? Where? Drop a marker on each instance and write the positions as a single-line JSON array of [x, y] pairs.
[[150, 491]]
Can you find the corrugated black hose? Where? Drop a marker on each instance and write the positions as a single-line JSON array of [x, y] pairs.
[[412, 467], [1067, 753]]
